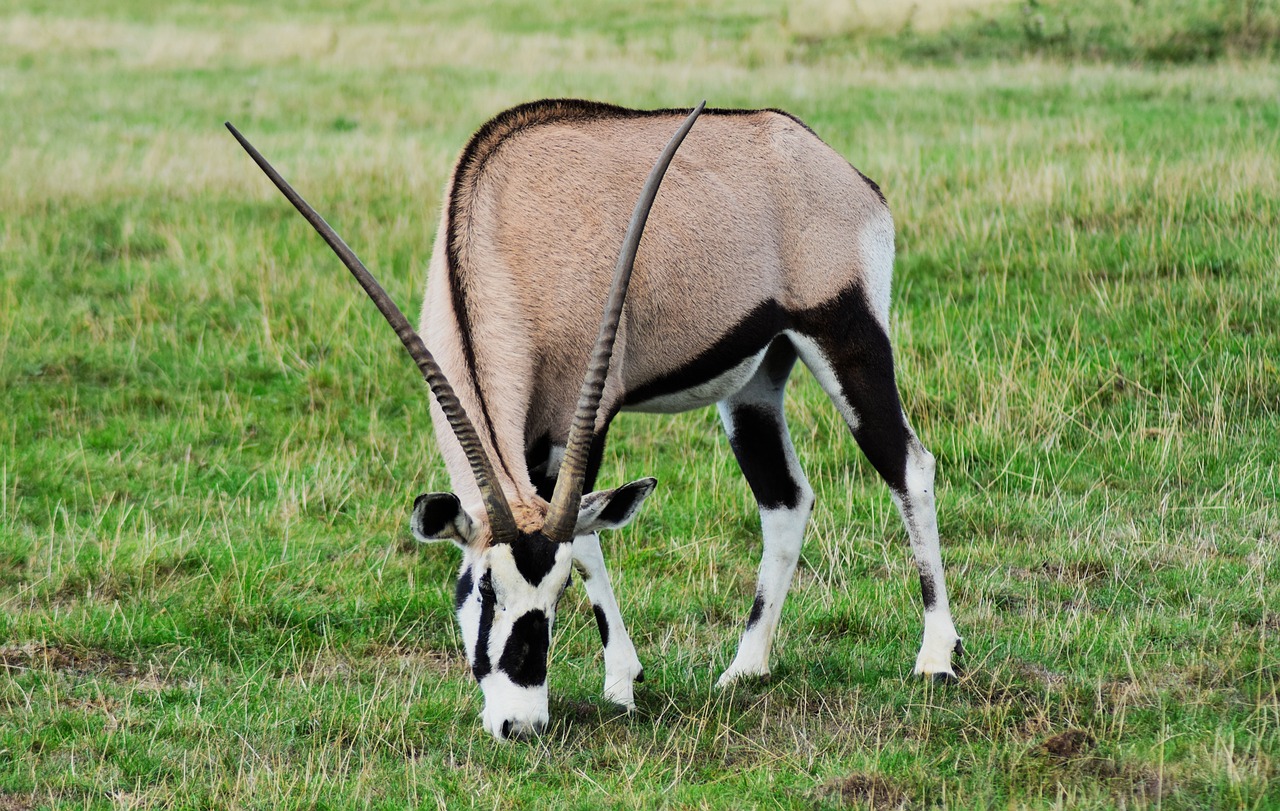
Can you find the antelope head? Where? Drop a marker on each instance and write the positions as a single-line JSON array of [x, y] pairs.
[[513, 573]]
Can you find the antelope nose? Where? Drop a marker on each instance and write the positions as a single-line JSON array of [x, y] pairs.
[[522, 730]]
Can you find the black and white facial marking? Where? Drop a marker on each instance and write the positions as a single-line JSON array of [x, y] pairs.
[[506, 600], [506, 597]]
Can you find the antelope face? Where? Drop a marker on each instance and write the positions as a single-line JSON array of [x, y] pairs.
[[506, 605], [506, 597]]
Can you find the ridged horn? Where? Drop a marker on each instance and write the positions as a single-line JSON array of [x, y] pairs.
[[502, 524], [563, 515]]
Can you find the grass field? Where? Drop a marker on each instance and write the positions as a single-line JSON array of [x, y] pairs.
[[209, 441]]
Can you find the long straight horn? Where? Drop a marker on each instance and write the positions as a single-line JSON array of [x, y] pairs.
[[501, 522], [563, 515]]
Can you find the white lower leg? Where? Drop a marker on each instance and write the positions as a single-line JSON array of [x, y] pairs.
[[783, 535], [621, 665], [920, 516]]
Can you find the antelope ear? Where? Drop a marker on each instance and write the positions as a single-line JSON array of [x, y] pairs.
[[611, 509], [440, 517]]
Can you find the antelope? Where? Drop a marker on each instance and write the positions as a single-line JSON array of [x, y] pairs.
[[766, 247]]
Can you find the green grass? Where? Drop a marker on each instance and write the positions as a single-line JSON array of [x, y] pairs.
[[209, 440]]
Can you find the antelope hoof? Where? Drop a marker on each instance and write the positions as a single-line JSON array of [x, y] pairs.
[[935, 661], [620, 688], [736, 674], [621, 694]]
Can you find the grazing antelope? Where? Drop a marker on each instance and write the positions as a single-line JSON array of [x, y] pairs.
[[766, 246]]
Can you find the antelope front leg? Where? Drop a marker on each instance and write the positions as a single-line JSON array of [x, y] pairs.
[[621, 665]]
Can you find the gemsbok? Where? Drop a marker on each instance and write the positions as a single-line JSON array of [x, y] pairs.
[[764, 247]]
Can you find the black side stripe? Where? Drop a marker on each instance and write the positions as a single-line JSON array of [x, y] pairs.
[[469, 354], [744, 339]]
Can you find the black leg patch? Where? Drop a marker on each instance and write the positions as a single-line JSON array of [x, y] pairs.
[[595, 456], [757, 610], [602, 623], [524, 659], [927, 591], [758, 441], [537, 459]]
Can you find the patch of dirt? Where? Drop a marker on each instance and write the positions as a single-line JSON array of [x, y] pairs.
[[1070, 744], [16, 802], [103, 704], [1037, 671], [76, 588], [440, 662], [99, 705], [1022, 685], [1068, 757], [1075, 571], [108, 586], [81, 662], [866, 791], [578, 710], [388, 658], [712, 614], [1008, 602]]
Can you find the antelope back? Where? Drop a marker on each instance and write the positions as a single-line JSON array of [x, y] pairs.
[[757, 218]]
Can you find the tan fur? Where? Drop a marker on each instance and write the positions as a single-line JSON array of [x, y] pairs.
[[754, 207], [530, 515]]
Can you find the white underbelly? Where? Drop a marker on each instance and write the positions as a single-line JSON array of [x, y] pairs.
[[703, 394]]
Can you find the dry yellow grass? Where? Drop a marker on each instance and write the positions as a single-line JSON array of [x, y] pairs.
[[834, 17]]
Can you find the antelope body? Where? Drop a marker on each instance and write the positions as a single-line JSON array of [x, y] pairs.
[[763, 247]]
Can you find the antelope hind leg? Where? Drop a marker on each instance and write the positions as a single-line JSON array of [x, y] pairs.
[[757, 428], [858, 377]]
